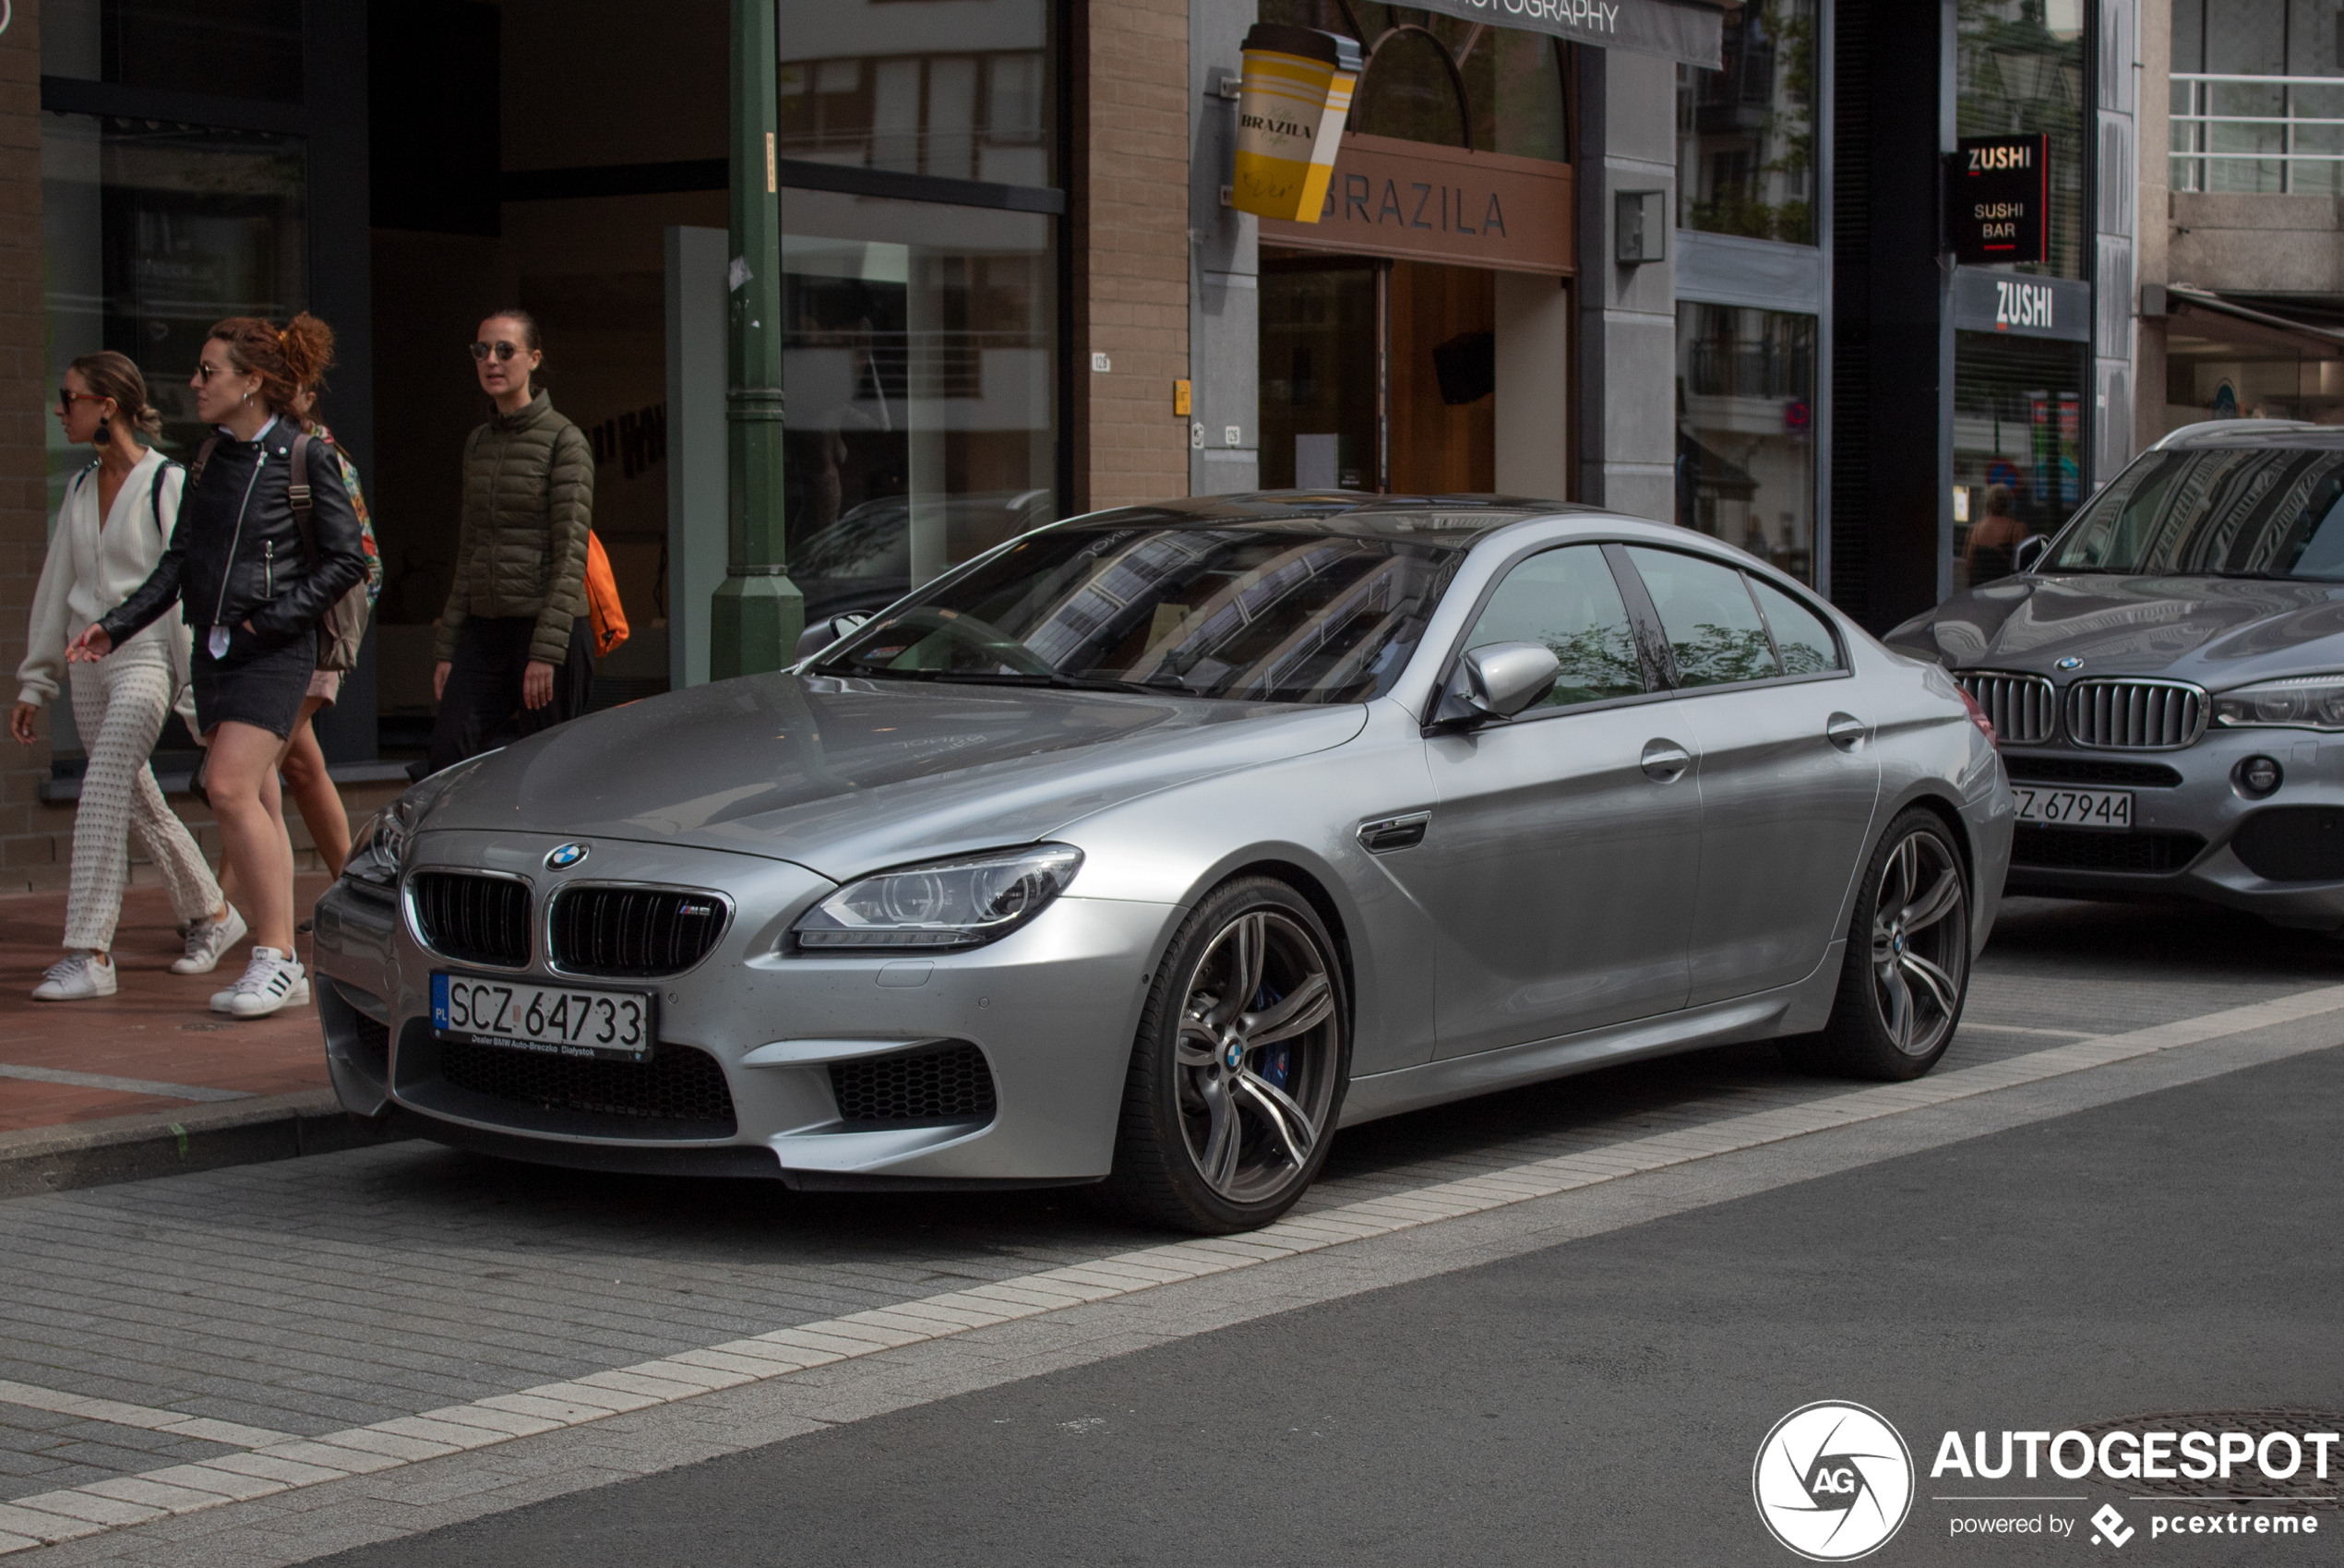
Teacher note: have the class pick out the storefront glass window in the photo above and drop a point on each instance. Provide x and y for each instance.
(1746, 133)
(1445, 80)
(2302, 38)
(960, 91)
(2217, 368)
(150, 235)
(1745, 430)
(2022, 72)
(2018, 425)
(225, 48)
(922, 407)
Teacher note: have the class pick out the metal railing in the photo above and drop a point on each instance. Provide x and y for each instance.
(2288, 131)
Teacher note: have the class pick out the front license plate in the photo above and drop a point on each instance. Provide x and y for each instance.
(2074, 807)
(552, 1020)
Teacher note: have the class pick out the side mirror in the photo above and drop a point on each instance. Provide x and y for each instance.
(821, 634)
(1497, 681)
(2029, 550)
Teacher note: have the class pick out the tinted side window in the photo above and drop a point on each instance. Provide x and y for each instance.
(1713, 626)
(1805, 643)
(1566, 600)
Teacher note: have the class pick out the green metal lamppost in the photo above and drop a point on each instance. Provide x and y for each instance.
(759, 612)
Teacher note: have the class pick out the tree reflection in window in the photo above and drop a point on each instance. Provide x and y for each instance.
(1746, 132)
(1567, 600)
(1714, 631)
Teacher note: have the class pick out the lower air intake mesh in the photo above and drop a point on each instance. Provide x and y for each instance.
(2073, 849)
(679, 1084)
(949, 1085)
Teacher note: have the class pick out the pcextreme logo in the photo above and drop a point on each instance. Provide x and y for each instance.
(1833, 1481)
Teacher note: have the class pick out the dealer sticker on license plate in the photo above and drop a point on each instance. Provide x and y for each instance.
(554, 1021)
(2074, 807)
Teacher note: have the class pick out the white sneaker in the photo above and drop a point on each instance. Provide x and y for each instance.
(222, 1001)
(77, 976)
(268, 983)
(207, 940)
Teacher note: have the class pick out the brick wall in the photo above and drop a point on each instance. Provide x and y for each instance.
(1128, 230)
(33, 837)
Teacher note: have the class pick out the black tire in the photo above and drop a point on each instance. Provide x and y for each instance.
(1228, 1109)
(1907, 973)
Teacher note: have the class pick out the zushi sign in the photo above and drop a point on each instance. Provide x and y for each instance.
(2001, 196)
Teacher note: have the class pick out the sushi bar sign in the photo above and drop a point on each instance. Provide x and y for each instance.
(1998, 195)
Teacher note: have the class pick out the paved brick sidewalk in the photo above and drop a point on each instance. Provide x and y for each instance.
(155, 1034)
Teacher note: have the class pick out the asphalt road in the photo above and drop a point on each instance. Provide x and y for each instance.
(1583, 1377)
(1599, 1400)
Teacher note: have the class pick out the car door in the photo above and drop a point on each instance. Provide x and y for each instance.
(1788, 775)
(1564, 844)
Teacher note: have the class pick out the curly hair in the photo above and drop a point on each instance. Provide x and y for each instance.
(289, 360)
(111, 374)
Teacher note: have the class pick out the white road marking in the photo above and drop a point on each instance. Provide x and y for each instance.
(281, 1465)
(119, 1085)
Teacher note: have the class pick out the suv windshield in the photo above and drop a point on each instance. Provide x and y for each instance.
(2230, 513)
(1279, 612)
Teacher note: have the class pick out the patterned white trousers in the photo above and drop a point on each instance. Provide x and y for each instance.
(120, 704)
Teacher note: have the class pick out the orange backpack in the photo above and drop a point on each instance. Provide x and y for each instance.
(601, 598)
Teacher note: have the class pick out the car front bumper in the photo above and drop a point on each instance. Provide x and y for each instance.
(1051, 1007)
(2201, 837)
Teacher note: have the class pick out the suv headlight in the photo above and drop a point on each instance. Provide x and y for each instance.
(2314, 703)
(948, 904)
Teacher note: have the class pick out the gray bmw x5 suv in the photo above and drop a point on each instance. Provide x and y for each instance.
(2167, 675)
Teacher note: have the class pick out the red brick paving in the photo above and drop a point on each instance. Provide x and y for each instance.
(157, 1027)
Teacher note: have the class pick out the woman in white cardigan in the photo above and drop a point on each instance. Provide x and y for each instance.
(116, 520)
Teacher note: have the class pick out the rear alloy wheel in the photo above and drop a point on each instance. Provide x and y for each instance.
(1907, 972)
(1239, 1067)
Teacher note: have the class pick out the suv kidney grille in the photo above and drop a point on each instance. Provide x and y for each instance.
(472, 919)
(2020, 706)
(632, 931)
(2136, 715)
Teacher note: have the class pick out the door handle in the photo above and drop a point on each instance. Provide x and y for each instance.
(1665, 761)
(1845, 731)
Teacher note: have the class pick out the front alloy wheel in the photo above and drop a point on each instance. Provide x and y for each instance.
(1239, 1067)
(1907, 972)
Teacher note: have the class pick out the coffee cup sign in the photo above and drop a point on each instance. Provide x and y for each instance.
(1291, 105)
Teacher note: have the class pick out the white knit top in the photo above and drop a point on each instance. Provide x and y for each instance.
(93, 565)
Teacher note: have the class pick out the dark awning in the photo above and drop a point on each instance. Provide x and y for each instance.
(1688, 32)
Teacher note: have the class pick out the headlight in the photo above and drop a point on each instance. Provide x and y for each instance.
(2315, 702)
(380, 843)
(949, 904)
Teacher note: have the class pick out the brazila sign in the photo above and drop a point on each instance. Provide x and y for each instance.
(1688, 32)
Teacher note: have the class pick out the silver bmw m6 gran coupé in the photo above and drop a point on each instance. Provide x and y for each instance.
(1153, 847)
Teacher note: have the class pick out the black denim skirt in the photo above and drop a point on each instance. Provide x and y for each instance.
(262, 687)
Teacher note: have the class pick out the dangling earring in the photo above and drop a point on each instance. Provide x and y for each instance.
(104, 436)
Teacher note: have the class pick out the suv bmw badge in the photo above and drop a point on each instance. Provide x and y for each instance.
(564, 857)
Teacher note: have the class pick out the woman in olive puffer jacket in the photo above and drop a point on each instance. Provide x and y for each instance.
(515, 637)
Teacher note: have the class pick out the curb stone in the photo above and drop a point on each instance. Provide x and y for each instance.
(166, 1142)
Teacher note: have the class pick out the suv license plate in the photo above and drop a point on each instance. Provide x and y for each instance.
(551, 1020)
(2074, 807)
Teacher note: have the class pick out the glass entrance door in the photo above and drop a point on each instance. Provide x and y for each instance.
(1377, 374)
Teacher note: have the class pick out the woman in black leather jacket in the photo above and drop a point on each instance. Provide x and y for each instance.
(252, 591)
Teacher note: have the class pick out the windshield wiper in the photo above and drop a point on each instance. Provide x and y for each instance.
(1058, 682)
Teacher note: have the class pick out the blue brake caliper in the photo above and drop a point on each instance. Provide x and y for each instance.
(1276, 1061)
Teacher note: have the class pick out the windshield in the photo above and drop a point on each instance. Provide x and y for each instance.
(2231, 513)
(1282, 612)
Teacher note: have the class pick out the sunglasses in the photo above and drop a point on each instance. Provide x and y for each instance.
(67, 397)
(205, 372)
(502, 348)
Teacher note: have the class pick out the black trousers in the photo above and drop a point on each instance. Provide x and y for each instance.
(483, 688)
